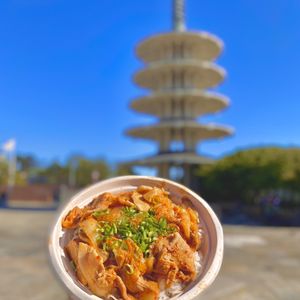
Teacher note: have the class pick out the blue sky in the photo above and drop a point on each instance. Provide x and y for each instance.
(66, 69)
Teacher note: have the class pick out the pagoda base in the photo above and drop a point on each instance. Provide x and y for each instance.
(179, 166)
(182, 173)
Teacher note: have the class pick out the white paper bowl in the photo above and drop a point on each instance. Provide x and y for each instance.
(211, 249)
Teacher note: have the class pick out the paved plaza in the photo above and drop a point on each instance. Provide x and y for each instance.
(259, 263)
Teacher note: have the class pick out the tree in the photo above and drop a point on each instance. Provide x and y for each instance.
(245, 175)
(89, 171)
(123, 170)
(26, 163)
(56, 174)
(3, 172)
(20, 177)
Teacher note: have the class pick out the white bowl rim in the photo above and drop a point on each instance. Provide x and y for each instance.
(199, 287)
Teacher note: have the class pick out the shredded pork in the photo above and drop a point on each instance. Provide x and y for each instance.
(134, 245)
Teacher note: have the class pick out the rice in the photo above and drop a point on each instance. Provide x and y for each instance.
(175, 290)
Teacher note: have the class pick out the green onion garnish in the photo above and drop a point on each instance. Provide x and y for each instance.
(142, 227)
(129, 269)
(99, 213)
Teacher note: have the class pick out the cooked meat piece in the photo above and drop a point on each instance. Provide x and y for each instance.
(149, 262)
(131, 265)
(101, 281)
(143, 189)
(137, 199)
(72, 251)
(156, 195)
(130, 254)
(111, 215)
(195, 238)
(148, 290)
(123, 290)
(72, 219)
(107, 200)
(130, 278)
(89, 229)
(174, 258)
(183, 221)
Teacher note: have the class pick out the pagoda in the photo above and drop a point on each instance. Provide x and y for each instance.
(178, 70)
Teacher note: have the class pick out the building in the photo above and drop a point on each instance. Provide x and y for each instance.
(40, 196)
(178, 68)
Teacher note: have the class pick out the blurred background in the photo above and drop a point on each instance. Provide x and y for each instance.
(93, 90)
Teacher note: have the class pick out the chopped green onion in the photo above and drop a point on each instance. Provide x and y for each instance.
(147, 253)
(130, 211)
(99, 213)
(129, 269)
(143, 232)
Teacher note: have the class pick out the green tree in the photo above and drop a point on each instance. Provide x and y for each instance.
(245, 175)
(20, 177)
(56, 174)
(89, 171)
(26, 163)
(123, 170)
(3, 172)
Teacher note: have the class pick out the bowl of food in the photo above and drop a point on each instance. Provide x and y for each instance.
(136, 237)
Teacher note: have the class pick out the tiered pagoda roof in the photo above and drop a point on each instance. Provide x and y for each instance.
(178, 69)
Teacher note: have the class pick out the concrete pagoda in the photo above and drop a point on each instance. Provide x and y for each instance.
(178, 69)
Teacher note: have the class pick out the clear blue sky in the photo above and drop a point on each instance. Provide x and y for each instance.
(66, 69)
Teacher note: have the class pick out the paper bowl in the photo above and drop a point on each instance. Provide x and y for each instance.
(211, 249)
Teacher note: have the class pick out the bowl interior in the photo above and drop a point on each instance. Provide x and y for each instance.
(211, 250)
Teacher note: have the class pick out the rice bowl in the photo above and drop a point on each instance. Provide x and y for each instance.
(209, 257)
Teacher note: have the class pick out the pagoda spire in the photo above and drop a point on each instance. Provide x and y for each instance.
(178, 15)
